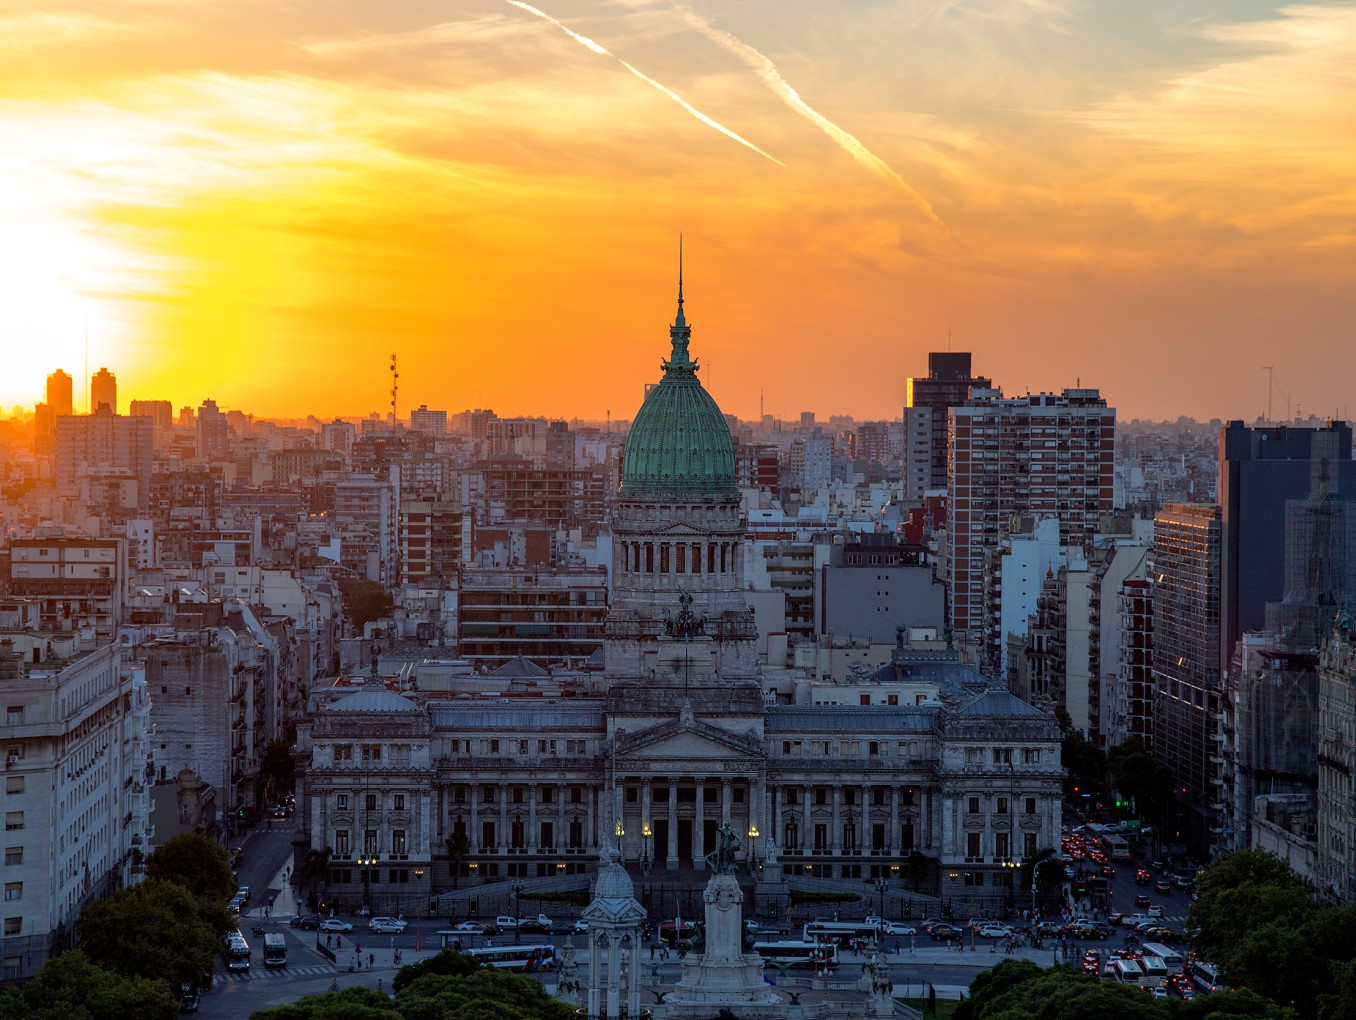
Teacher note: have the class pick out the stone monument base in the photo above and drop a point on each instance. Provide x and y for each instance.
(724, 975)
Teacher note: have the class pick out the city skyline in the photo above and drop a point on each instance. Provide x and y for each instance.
(262, 206)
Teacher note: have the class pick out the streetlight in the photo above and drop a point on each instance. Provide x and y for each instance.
(515, 890)
(882, 883)
(419, 878)
(367, 861)
(645, 835)
(753, 845)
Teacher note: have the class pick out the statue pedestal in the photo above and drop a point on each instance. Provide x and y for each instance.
(724, 975)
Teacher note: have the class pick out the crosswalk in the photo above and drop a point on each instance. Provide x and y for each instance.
(256, 974)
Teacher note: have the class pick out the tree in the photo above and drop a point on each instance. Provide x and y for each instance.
(364, 601)
(458, 846)
(155, 929)
(915, 868)
(1057, 993)
(1045, 867)
(485, 993)
(1244, 889)
(448, 962)
(990, 984)
(1242, 1003)
(1137, 774)
(69, 986)
(195, 862)
(314, 867)
(349, 1004)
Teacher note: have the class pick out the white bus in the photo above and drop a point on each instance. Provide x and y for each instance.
(799, 954)
(1206, 976)
(1116, 847)
(839, 932)
(275, 950)
(1127, 972)
(1172, 959)
(523, 959)
(1155, 971)
(237, 953)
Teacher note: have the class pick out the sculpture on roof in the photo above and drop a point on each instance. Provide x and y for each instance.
(721, 860)
(686, 624)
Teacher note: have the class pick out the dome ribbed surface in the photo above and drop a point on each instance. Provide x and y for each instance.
(613, 883)
(679, 444)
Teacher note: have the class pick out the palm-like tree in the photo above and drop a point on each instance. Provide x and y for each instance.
(315, 866)
(458, 846)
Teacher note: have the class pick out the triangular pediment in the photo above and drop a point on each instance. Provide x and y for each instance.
(680, 529)
(687, 738)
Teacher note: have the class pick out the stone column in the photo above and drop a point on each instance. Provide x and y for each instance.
(533, 833)
(595, 974)
(864, 826)
(892, 844)
(562, 835)
(503, 840)
(807, 831)
(726, 800)
(590, 829)
(699, 822)
(836, 826)
(672, 861)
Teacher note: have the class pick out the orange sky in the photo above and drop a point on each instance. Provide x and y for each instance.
(260, 202)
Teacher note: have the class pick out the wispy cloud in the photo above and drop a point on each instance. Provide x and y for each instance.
(603, 51)
(767, 71)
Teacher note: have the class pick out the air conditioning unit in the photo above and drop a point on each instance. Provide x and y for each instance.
(12, 760)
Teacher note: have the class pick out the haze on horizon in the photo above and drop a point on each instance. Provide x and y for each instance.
(260, 203)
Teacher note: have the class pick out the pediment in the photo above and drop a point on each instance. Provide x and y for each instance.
(680, 529)
(687, 738)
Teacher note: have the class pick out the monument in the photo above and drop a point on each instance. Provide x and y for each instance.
(723, 974)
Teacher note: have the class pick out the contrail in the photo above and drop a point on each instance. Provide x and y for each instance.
(766, 70)
(596, 48)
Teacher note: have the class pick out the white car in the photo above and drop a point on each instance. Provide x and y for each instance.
(334, 924)
(994, 931)
(386, 925)
(1155, 911)
(898, 928)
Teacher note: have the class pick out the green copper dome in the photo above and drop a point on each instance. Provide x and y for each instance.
(679, 443)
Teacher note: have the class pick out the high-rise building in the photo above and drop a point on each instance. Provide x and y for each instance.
(103, 389)
(1188, 707)
(1041, 455)
(424, 420)
(59, 394)
(948, 384)
(214, 438)
(1259, 470)
(104, 443)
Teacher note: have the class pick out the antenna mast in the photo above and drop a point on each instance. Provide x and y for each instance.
(395, 390)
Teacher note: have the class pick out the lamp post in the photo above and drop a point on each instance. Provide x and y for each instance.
(882, 883)
(366, 861)
(418, 921)
(753, 846)
(515, 890)
(645, 835)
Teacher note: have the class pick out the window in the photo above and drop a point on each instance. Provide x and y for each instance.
(1000, 845)
(370, 842)
(12, 969)
(974, 756)
(371, 802)
(14, 890)
(1002, 756)
(487, 834)
(399, 802)
(518, 795)
(546, 794)
(973, 807)
(14, 855)
(576, 747)
(906, 795)
(972, 845)
(906, 836)
(877, 796)
(398, 841)
(821, 796)
(632, 794)
(522, 747)
(1028, 844)
(13, 925)
(341, 802)
(343, 752)
(14, 715)
(341, 842)
(1031, 756)
(459, 795)
(1031, 805)
(546, 747)
(14, 820)
(849, 796)
(576, 795)
(792, 795)
(873, 748)
(371, 752)
(791, 747)
(864, 699)
(487, 794)
(892, 699)
(399, 875)
(1002, 805)
(14, 784)
(489, 746)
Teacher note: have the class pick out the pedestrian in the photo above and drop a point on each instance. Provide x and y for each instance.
(266, 913)
(329, 941)
(371, 959)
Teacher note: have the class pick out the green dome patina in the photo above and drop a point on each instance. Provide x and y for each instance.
(679, 444)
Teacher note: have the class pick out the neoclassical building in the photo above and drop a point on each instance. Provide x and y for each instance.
(468, 790)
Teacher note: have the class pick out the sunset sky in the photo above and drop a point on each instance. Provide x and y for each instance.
(260, 202)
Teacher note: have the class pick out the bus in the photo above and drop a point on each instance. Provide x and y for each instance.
(1155, 971)
(522, 959)
(1127, 972)
(669, 933)
(798, 954)
(1116, 847)
(275, 950)
(1172, 959)
(237, 952)
(838, 932)
(1207, 976)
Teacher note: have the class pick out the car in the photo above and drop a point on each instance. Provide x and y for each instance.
(898, 928)
(188, 1002)
(335, 924)
(1107, 871)
(386, 925)
(1142, 877)
(580, 927)
(1160, 934)
(236, 905)
(306, 922)
(1047, 929)
(1141, 901)
(1156, 910)
(243, 894)
(994, 931)
(945, 932)
(469, 927)
(1114, 918)
(1160, 992)
(1163, 886)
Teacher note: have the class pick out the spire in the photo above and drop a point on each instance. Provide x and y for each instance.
(680, 332)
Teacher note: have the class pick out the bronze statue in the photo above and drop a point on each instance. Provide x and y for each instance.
(721, 861)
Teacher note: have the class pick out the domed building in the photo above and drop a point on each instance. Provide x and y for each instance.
(937, 794)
